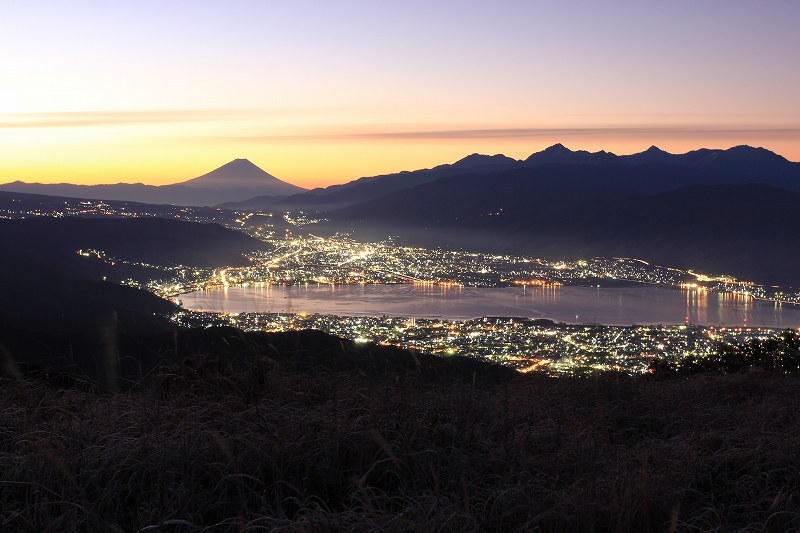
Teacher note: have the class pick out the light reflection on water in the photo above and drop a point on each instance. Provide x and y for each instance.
(617, 306)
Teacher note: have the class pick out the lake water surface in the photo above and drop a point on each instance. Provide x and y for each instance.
(611, 306)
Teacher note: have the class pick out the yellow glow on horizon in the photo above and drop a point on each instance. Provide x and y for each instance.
(155, 149)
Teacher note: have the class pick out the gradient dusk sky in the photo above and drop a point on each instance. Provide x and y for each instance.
(321, 92)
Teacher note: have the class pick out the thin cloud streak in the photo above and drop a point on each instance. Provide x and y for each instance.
(69, 119)
(510, 133)
(72, 119)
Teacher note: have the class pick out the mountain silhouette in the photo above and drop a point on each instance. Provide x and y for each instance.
(240, 174)
(560, 154)
(654, 154)
(480, 161)
(647, 172)
(235, 181)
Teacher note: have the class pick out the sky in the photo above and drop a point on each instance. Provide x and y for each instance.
(325, 91)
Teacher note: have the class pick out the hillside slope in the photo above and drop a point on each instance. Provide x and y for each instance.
(152, 240)
(745, 230)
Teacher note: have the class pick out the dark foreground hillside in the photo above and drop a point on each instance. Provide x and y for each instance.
(214, 445)
(151, 240)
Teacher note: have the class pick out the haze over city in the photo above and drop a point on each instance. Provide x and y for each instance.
(320, 92)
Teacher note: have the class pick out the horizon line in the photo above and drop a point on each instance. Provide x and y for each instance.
(376, 175)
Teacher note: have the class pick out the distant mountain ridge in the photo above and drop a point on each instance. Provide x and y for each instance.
(240, 184)
(235, 181)
(740, 164)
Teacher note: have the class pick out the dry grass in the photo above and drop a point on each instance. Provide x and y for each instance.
(274, 449)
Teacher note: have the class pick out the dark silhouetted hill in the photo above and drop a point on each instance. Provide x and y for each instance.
(58, 312)
(745, 230)
(151, 240)
(57, 308)
(320, 353)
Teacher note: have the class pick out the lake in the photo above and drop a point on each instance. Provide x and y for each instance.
(611, 306)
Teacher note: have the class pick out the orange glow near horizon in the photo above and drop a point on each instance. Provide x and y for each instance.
(306, 161)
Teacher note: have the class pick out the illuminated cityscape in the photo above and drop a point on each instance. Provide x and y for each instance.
(525, 344)
(299, 254)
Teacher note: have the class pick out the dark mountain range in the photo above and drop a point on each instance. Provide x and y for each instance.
(740, 160)
(476, 196)
(238, 180)
(242, 185)
(650, 171)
